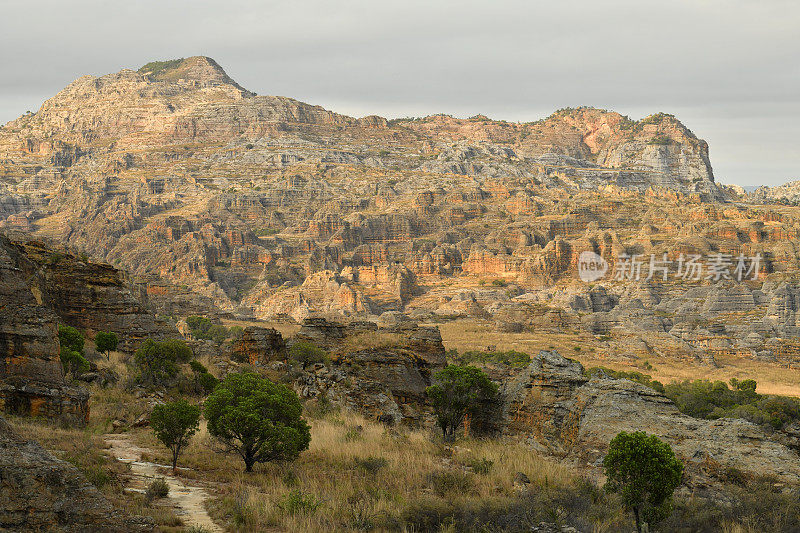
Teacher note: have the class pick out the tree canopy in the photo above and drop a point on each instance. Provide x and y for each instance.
(459, 391)
(174, 424)
(157, 361)
(257, 419)
(106, 342)
(644, 470)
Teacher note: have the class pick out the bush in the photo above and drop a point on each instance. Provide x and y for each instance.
(510, 358)
(69, 337)
(480, 466)
(644, 470)
(174, 424)
(207, 382)
(306, 353)
(298, 502)
(202, 328)
(157, 489)
(157, 362)
(257, 419)
(204, 380)
(638, 377)
(711, 400)
(444, 482)
(73, 362)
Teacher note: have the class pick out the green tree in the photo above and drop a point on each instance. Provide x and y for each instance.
(71, 338)
(459, 391)
(106, 342)
(174, 424)
(306, 353)
(158, 361)
(71, 351)
(644, 470)
(204, 380)
(202, 328)
(257, 419)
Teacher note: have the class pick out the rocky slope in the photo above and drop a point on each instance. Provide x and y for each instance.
(186, 179)
(555, 404)
(41, 493)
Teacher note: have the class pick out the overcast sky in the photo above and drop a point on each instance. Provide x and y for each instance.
(729, 69)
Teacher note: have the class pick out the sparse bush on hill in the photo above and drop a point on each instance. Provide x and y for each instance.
(638, 377)
(510, 358)
(156, 67)
(711, 400)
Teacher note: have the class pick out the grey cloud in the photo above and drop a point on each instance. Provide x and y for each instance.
(727, 68)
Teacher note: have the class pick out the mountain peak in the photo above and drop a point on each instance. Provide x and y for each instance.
(197, 68)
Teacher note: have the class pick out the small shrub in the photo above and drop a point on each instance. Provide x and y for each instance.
(306, 353)
(157, 489)
(354, 433)
(638, 377)
(444, 482)
(298, 502)
(480, 466)
(371, 465)
(207, 381)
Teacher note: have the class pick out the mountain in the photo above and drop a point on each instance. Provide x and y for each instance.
(215, 197)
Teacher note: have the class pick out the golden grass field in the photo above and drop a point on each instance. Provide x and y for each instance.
(474, 334)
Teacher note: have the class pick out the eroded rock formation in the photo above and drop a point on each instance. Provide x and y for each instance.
(554, 403)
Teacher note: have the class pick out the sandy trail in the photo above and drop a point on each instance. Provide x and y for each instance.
(186, 499)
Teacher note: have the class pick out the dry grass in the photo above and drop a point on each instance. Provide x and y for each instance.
(85, 450)
(371, 340)
(356, 474)
(471, 334)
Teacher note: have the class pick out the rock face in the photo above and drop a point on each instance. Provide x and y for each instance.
(41, 288)
(41, 493)
(385, 382)
(91, 297)
(31, 377)
(259, 346)
(553, 402)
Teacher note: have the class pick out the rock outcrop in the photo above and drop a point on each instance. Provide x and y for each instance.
(382, 372)
(554, 403)
(41, 493)
(31, 376)
(258, 345)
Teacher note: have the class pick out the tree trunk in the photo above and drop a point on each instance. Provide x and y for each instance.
(636, 515)
(174, 463)
(249, 461)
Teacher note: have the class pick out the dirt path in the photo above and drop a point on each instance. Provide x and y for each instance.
(187, 499)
